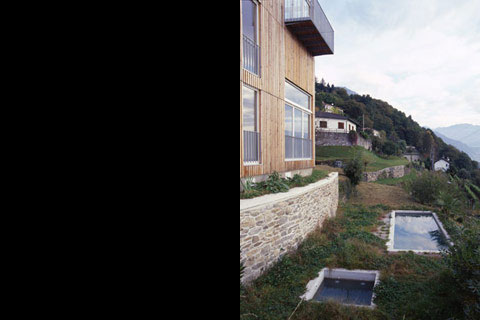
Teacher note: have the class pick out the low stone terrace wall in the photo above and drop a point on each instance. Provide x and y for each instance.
(390, 172)
(274, 224)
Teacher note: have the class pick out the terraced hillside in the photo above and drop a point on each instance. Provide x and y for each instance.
(375, 163)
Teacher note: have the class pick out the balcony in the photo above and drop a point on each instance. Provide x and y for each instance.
(306, 19)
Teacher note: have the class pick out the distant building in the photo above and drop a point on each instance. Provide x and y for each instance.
(332, 122)
(412, 154)
(441, 165)
(332, 109)
(376, 133)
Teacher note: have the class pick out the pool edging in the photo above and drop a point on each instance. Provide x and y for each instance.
(392, 230)
(314, 284)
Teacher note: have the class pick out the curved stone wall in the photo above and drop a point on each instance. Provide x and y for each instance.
(274, 224)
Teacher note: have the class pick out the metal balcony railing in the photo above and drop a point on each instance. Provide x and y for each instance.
(251, 146)
(251, 55)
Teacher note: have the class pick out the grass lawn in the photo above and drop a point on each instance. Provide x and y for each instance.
(397, 181)
(375, 163)
(411, 286)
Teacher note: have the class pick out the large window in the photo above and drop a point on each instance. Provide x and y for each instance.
(251, 48)
(249, 19)
(251, 135)
(298, 143)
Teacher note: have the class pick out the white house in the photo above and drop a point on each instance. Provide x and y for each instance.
(411, 154)
(441, 165)
(332, 122)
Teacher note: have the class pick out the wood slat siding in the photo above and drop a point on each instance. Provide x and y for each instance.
(282, 57)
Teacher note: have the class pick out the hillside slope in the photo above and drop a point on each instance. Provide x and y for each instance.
(375, 163)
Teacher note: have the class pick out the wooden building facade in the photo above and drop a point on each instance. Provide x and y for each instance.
(278, 42)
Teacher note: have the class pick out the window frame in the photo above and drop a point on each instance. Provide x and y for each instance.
(308, 112)
(302, 123)
(257, 125)
(295, 104)
(257, 23)
(257, 38)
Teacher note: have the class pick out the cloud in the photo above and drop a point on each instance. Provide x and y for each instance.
(422, 57)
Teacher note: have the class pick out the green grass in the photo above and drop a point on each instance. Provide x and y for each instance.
(398, 181)
(412, 286)
(375, 163)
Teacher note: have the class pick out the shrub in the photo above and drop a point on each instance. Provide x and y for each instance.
(353, 137)
(390, 148)
(346, 189)
(364, 134)
(463, 261)
(354, 170)
(464, 174)
(425, 188)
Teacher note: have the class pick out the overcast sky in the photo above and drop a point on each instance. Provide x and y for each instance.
(420, 56)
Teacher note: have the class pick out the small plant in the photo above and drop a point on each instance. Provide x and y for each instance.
(249, 185)
(296, 180)
(345, 188)
(275, 184)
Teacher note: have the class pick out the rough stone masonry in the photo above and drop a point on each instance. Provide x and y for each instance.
(274, 224)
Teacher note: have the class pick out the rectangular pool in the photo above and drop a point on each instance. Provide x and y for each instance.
(350, 287)
(417, 231)
(345, 291)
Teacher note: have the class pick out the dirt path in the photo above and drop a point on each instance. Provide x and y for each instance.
(370, 194)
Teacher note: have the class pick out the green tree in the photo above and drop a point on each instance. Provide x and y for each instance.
(354, 170)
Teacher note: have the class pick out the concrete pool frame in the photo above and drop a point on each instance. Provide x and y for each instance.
(342, 274)
(391, 234)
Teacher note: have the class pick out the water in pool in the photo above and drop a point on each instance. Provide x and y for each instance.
(345, 291)
(417, 232)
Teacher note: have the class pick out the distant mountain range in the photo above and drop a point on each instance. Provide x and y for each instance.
(464, 137)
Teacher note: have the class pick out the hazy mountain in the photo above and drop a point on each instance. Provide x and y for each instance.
(474, 153)
(464, 137)
(468, 134)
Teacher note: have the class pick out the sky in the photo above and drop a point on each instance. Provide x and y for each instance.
(420, 56)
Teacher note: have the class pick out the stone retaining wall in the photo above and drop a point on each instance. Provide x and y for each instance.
(390, 172)
(274, 224)
(323, 138)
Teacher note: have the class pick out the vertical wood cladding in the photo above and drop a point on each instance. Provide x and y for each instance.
(282, 57)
